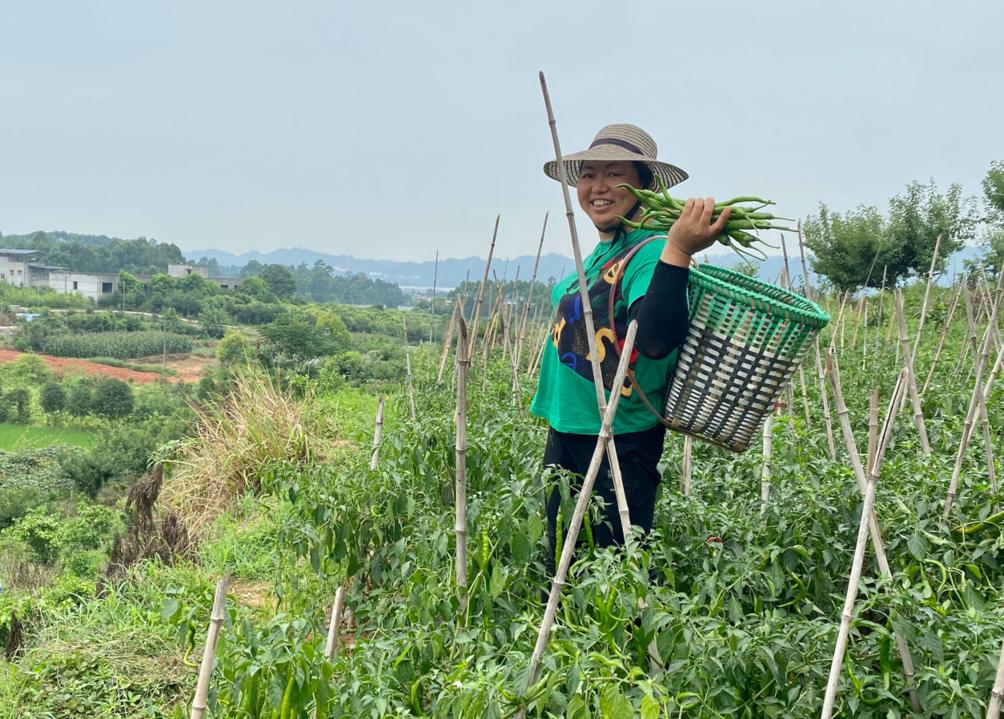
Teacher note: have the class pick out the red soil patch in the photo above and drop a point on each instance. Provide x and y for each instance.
(62, 365)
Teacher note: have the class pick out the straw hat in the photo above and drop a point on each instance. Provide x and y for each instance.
(619, 143)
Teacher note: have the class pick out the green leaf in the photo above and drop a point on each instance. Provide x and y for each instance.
(614, 705)
(917, 546)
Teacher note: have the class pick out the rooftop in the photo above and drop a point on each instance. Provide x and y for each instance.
(18, 252)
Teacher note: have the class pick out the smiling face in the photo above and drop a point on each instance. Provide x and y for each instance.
(599, 195)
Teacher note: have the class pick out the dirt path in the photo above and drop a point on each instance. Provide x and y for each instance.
(61, 365)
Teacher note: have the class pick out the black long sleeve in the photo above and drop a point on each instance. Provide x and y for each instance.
(662, 314)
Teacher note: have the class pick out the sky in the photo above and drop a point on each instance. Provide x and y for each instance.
(393, 130)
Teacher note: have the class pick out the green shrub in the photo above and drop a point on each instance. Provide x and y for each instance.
(18, 405)
(80, 401)
(112, 398)
(234, 349)
(52, 397)
(30, 368)
(40, 531)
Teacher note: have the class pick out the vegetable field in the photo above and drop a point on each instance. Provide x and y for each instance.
(730, 608)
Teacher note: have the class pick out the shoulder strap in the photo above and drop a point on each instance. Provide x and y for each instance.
(613, 325)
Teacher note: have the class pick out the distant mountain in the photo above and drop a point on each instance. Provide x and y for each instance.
(407, 274)
(453, 271)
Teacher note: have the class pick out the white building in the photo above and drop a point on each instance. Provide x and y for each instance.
(179, 271)
(89, 284)
(15, 267)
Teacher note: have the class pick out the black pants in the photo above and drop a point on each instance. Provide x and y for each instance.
(638, 454)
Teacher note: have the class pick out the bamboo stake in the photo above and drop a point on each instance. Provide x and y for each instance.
(529, 294)
(460, 489)
(918, 412)
(336, 613)
(481, 288)
(873, 411)
(826, 404)
(805, 268)
(881, 319)
(956, 292)
(997, 694)
(407, 366)
(927, 294)
(765, 468)
(447, 340)
(859, 550)
(857, 325)
(209, 651)
(377, 432)
(688, 465)
(975, 403)
(873, 526)
(587, 316)
(580, 509)
(432, 302)
(970, 326)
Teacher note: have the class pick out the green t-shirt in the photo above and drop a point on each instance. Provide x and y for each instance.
(566, 395)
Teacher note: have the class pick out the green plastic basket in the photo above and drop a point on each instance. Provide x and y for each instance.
(745, 341)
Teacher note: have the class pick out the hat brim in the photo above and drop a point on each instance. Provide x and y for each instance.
(670, 174)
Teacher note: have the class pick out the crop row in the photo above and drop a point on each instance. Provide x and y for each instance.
(120, 345)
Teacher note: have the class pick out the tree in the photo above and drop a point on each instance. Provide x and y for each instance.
(296, 338)
(921, 214)
(52, 397)
(993, 235)
(255, 288)
(112, 398)
(280, 280)
(848, 247)
(855, 248)
(18, 402)
(214, 321)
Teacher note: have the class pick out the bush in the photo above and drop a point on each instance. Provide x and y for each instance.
(52, 397)
(80, 401)
(235, 349)
(30, 368)
(112, 398)
(17, 404)
(31, 478)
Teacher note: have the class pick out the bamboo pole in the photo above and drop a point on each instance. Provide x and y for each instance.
(432, 302)
(331, 643)
(447, 340)
(765, 467)
(997, 693)
(529, 294)
(826, 404)
(873, 526)
(377, 432)
(688, 465)
(970, 326)
(460, 488)
(979, 392)
(857, 325)
(873, 411)
(805, 267)
(918, 412)
(956, 293)
(209, 651)
(927, 294)
(407, 366)
(881, 319)
(859, 550)
(473, 339)
(587, 315)
(580, 509)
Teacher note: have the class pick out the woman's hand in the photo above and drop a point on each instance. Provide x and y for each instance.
(694, 231)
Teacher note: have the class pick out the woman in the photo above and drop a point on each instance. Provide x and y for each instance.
(653, 290)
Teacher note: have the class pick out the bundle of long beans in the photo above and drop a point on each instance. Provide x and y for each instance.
(660, 210)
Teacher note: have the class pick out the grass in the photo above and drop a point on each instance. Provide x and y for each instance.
(19, 436)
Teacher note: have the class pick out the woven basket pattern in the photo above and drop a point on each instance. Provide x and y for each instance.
(745, 341)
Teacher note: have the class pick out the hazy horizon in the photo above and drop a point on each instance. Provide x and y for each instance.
(392, 132)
